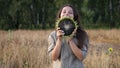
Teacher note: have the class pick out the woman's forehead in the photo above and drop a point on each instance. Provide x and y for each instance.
(67, 7)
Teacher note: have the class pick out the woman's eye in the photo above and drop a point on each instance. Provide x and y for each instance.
(70, 12)
(64, 11)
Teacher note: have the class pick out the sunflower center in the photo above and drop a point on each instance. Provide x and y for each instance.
(67, 26)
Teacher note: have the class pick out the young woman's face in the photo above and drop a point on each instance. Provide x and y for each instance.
(67, 11)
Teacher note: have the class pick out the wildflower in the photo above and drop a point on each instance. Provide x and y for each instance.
(110, 49)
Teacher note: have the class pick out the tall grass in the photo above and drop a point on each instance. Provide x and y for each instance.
(28, 49)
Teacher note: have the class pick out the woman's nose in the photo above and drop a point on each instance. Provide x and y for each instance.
(66, 14)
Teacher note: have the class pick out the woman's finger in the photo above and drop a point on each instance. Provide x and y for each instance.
(58, 28)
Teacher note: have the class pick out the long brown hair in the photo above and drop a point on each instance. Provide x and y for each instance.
(81, 35)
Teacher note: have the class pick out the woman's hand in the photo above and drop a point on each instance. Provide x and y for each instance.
(60, 33)
(72, 35)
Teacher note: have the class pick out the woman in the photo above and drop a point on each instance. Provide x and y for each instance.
(68, 52)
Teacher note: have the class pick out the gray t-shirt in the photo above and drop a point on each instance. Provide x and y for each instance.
(67, 59)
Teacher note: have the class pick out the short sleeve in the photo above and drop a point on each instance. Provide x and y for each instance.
(85, 48)
(51, 42)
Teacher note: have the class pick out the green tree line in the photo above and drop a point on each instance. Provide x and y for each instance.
(41, 14)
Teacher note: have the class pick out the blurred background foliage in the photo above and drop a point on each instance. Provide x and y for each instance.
(41, 14)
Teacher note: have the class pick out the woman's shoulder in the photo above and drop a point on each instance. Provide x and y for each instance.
(53, 33)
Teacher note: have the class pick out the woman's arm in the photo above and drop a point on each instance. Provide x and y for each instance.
(57, 48)
(77, 52)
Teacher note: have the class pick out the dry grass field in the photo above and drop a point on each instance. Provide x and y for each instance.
(28, 49)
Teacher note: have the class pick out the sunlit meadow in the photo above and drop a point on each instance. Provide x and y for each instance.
(28, 49)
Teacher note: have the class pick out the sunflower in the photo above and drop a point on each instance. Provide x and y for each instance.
(66, 24)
